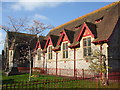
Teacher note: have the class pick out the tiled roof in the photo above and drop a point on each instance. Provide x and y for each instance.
(87, 15)
(101, 30)
(21, 38)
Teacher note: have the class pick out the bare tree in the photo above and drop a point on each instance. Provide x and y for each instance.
(38, 27)
(15, 25)
(22, 25)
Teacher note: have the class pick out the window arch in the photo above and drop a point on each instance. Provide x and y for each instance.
(87, 46)
(65, 50)
(50, 52)
(39, 54)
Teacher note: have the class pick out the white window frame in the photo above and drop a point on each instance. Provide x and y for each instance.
(39, 54)
(66, 51)
(50, 54)
(87, 47)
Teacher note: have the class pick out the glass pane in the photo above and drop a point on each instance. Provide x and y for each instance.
(39, 54)
(66, 45)
(39, 57)
(89, 51)
(63, 54)
(51, 56)
(84, 42)
(67, 54)
(85, 52)
(48, 55)
(51, 49)
(63, 46)
(89, 41)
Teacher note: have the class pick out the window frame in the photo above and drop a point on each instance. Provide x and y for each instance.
(39, 54)
(50, 52)
(65, 50)
(86, 46)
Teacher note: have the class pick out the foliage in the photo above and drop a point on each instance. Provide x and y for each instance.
(97, 62)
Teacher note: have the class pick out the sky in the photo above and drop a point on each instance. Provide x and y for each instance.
(49, 12)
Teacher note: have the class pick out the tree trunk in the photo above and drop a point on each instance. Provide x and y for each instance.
(30, 72)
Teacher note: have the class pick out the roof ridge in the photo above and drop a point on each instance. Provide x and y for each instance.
(23, 33)
(105, 7)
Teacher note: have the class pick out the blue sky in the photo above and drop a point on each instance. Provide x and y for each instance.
(55, 13)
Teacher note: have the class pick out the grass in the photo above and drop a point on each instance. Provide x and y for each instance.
(61, 84)
(25, 77)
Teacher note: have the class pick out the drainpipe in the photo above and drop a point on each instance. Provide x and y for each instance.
(107, 59)
(101, 59)
(74, 62)
(56, 62)
(43, 61)
(30, 71)
(46, 66)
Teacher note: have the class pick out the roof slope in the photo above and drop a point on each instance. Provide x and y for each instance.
(21, 38)
(101, 30)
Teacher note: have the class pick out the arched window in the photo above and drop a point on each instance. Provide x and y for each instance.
(87, 46)
(65, 50)
(50, 52)
(11, 53)
(39, 54)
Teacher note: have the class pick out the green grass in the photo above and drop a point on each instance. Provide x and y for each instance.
(61, 84)
(25, 77)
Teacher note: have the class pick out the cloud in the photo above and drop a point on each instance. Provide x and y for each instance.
(59, 0)
(33, 4)
(38, 16)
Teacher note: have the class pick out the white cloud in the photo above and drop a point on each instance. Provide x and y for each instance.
(39, 16)
(59, 0)
(33, 4)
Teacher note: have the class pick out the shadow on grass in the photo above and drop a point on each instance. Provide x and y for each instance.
(8, 81)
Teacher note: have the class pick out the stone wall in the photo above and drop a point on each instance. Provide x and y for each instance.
(65, 67)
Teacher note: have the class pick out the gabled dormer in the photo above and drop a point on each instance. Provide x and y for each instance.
(51, 40)
(50, 44)
(66, 36)
(87, 30)
(39, 48)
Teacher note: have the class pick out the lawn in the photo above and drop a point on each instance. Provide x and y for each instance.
(25, 77)
(61, 82)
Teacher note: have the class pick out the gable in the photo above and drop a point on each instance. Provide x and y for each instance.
(63, 38)
(85, 31)
(108, 16)
(48, 42)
